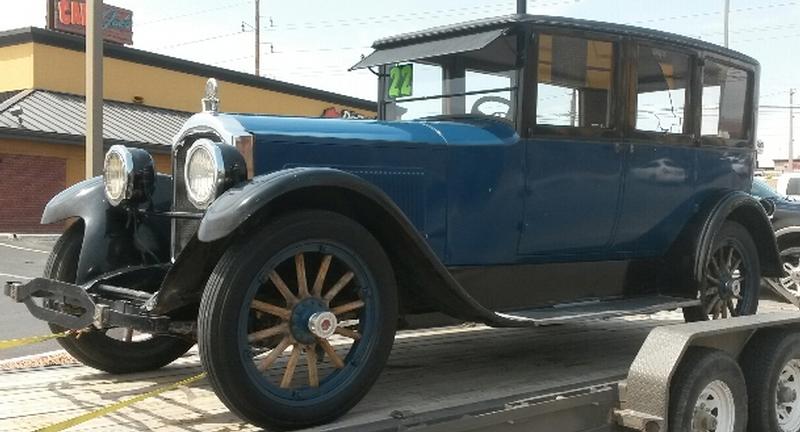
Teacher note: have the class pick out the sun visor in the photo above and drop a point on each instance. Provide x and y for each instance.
(435, 48)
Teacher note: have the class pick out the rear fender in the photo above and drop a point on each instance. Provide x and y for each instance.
(239, 211)
(688, 255)
(112, 239)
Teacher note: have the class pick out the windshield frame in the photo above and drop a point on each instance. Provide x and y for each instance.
(453, 69)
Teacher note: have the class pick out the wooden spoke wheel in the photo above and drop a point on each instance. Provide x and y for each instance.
(297, 320)
(731, 278)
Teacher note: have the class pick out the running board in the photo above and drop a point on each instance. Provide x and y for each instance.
(597, 309)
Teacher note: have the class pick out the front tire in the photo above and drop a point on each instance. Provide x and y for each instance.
(708, 393)
(731, 277)
(95, 348)
(292, 285)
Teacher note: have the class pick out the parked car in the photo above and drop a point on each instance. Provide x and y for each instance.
(509, 180)
(785, 214)
(789, 184)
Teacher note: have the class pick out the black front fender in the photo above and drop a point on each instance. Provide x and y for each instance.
(112, 239)
(246, 206)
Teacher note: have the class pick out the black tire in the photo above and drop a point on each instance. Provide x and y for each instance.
(701, 368)
(763, 362)
(730, 236)
(94, 348)
(225, 319)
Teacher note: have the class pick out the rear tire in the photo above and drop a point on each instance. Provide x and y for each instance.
(95, 348)
(259, 302)
(771, 366)
(732, 277)
(708, 393)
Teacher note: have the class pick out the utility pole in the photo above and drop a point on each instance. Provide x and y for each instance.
(258, 37)
(727, 21)
(791, 130)
(94, 88)
(522, 6)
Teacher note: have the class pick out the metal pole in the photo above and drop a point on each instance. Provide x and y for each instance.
(791, 130)
(727, 20)
(522, 6)
(94, 88)
(258, 37)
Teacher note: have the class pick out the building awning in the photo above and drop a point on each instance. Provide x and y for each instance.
(434, 48)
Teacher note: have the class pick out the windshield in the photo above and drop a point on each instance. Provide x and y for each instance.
(762, 190)
(481, 82)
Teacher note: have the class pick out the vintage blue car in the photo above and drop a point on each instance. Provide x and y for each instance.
(522, 171)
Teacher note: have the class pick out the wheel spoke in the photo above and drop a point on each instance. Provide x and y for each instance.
(788, 267)
(282, 288)
(713, 263)
(290, 367)
(346, 332)
(732, 308)
(736, 264)
(275, 353)
(335, 359)
(128, 337)
(712, 279)
(347, 307)
(338, 286)
(729, 261)
(724, 311)
(263, 334)
(313, 372)
(271, 309)
(711, 304)
(302, 283)
(316, 291)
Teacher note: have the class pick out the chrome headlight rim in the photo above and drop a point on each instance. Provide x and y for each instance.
(125, 155)
(218, 172)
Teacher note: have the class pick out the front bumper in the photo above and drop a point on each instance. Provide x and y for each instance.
(77, 307)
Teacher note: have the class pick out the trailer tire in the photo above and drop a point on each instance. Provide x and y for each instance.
(95, 348)
(708, 387)
(771, 365)
(259, 302)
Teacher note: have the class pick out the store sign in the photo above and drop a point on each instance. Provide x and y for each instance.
(333, 112)
(71, 15)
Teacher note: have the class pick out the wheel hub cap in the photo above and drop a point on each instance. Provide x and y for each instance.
(787, 406)
(322, 324)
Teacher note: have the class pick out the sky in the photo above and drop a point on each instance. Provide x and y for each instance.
(314, 42)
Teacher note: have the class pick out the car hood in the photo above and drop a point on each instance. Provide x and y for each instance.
(467, 131)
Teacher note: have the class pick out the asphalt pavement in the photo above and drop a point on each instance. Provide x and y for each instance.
(22, 259)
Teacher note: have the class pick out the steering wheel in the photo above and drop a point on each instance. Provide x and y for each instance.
(492, 99)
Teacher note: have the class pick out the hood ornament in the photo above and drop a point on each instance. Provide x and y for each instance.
(211, 99)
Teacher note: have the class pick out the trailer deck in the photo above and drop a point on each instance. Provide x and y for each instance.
(432, 375)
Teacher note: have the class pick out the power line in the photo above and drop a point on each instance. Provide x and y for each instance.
(714, 13)
(195, 13)
(195, 41)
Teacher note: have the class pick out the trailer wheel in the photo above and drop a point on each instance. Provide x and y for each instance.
(731, 277)
(113, 351)
(771, 366)
(298, 320)
(708, 393)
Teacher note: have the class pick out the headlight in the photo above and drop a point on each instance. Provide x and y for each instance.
(210, 169)
(128, 175)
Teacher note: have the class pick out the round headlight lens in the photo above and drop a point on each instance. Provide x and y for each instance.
(202, 172)
(116, 174)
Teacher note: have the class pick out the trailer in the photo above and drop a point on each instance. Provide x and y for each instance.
(604, 375)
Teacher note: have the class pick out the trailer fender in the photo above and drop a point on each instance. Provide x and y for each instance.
(110, 240)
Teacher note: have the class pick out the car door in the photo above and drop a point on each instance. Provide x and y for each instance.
(574, 156)
(661, 155)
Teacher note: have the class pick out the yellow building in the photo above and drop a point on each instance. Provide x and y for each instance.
(148, 97)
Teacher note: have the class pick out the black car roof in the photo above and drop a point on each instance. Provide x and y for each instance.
(516, 20)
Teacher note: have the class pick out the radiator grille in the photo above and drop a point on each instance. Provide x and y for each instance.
(182, 229)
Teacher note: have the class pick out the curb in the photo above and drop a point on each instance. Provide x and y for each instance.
(15, 236)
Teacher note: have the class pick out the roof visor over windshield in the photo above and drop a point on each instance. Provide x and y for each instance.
(435, 48)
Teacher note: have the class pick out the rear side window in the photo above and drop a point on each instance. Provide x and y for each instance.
(724, 102)
(575, 82)
(662, 84)
(793, 187)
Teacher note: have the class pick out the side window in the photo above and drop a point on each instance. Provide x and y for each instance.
(663, 81)
(574, 82)
(724, 102)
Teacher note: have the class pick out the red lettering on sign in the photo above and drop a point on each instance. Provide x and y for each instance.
(78, 15)
(63, 12)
